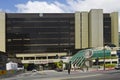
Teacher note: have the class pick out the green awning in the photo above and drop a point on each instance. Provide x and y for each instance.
(101, 53)
(79, 58)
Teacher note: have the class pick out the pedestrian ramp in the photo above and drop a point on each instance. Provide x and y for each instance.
(81, 57)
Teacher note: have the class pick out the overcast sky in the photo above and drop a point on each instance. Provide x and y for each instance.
(58, 6)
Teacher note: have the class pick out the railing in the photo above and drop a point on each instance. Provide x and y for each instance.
(78, 59)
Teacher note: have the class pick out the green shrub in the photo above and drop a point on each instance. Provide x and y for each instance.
(25, 66)
(59, 64)
(110, 65)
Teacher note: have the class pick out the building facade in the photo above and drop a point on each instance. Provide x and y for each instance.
(45, 36)
(3, 60)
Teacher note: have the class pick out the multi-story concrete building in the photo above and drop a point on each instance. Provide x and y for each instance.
(3, 60)
(42, 37)
(119, 38)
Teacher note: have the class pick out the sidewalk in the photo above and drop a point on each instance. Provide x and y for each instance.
(92, 70)
(101, 69)
(65, 76)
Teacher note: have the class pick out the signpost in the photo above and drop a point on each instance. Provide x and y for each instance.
(118, 53)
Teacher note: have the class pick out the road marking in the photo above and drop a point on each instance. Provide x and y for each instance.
(87, 76)
(71, 77)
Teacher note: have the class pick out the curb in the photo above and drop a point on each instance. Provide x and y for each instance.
(103, 70)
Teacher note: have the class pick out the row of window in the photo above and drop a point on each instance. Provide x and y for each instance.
(39, 34)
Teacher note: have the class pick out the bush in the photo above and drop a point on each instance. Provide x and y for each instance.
(25, 66)
(110, 65)
(59, 64)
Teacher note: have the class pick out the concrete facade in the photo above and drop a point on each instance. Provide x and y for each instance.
(2, 32)
(114, 28)
(81, 30)
(89, 29)
(96, 28)
(84, 28)
(39, 60)
(77, 31)
(88, 33)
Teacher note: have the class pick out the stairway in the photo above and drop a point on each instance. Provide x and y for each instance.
(78, 59)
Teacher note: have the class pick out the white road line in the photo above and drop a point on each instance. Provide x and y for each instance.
(70, 77)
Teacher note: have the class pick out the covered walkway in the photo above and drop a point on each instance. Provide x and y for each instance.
(83, 56)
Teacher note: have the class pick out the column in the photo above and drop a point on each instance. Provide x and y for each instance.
(114, 28)
(2, 32)
(77, 31)
(96, 28)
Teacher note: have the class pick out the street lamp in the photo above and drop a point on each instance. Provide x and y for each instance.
(104, 57)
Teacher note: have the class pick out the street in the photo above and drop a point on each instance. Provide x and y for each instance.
(75, 75)
(105, 76)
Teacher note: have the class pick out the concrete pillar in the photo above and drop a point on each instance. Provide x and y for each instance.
(84, 29)
(96, 28)
(114, 28)
(77, 31)
(2, 32)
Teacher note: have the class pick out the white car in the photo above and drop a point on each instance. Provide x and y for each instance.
(117, 67)
(34, 70)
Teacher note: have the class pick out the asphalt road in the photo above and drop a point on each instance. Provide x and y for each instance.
(75, 75)
(102, 76)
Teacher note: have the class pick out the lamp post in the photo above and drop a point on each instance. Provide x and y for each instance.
(104, 57)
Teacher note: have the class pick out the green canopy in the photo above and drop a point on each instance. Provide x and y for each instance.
(101, 53)
(80, 57)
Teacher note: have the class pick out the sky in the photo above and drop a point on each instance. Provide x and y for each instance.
(58, 6)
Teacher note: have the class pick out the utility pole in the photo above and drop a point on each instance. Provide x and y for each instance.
(104, 57)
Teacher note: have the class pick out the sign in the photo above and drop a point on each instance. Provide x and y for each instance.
(118, 52)
(38, 62)
(101, 53)
(41, 61)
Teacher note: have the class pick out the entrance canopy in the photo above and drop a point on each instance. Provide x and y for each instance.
(101, 53)
(82, 56)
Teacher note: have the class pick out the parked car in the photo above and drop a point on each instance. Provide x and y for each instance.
(117, 67)
(59, 69)
(34, 70)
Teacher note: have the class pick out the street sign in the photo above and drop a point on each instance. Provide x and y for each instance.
(118, 52)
